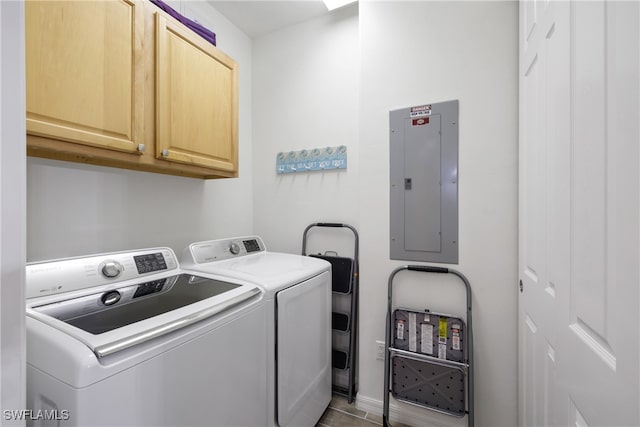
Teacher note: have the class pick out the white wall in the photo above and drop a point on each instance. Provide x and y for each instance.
(75, 209)
(399, 54)
(419, 52)
(306, 96)
(12, 216)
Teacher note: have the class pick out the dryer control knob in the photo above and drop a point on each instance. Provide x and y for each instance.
(111, 269)
(234, 248)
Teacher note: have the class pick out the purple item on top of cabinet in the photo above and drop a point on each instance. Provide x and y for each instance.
(203, 32)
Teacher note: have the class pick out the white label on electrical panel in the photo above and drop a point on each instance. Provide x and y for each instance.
(426, 338)
(400, 330)
(413, 345)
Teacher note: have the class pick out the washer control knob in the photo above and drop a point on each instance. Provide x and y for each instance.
(234, 248)
(111, 269)
(111, 297)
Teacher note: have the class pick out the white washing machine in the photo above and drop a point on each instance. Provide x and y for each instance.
(130, 339)
(298, 296)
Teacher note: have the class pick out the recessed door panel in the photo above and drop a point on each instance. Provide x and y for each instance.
(422, 184)
(303, 365)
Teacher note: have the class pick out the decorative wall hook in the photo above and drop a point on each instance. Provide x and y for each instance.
(316, 159)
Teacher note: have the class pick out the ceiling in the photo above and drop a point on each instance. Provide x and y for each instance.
(256, 18)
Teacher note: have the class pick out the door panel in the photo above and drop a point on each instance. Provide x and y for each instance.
(303, 360)
(528, 337)
(422, 201)
(590, 170)
(579, 232)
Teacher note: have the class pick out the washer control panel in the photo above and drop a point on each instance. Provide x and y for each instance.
(251, 245)
(149, 263)
(70, 274)
(218, 250)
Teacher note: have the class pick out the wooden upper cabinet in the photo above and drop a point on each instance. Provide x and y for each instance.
(120, 83)
(84, 72)
(196, 100)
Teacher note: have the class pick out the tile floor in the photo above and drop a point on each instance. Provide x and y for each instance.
(342, 414)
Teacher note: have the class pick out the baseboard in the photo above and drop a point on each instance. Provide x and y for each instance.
(408, 414)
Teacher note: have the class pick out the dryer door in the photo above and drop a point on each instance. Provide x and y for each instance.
(304, 351)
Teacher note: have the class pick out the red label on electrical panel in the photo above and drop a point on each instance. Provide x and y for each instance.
(419, 122)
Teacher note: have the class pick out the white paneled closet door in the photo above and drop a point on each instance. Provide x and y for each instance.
(579, 257)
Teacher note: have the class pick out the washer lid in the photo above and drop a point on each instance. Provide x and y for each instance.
(109, 320)
(105, 311)
(273, 271)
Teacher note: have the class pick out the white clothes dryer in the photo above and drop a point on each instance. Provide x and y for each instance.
(298, 296)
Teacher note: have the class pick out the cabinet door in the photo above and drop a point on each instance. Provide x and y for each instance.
(196, 99)
(84, 72)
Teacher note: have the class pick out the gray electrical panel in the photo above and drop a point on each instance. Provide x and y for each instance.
(424, 182)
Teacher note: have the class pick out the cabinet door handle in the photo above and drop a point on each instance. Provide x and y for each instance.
(165, 153)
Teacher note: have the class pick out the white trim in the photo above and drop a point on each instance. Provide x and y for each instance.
(13, 214)
(406, 414)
